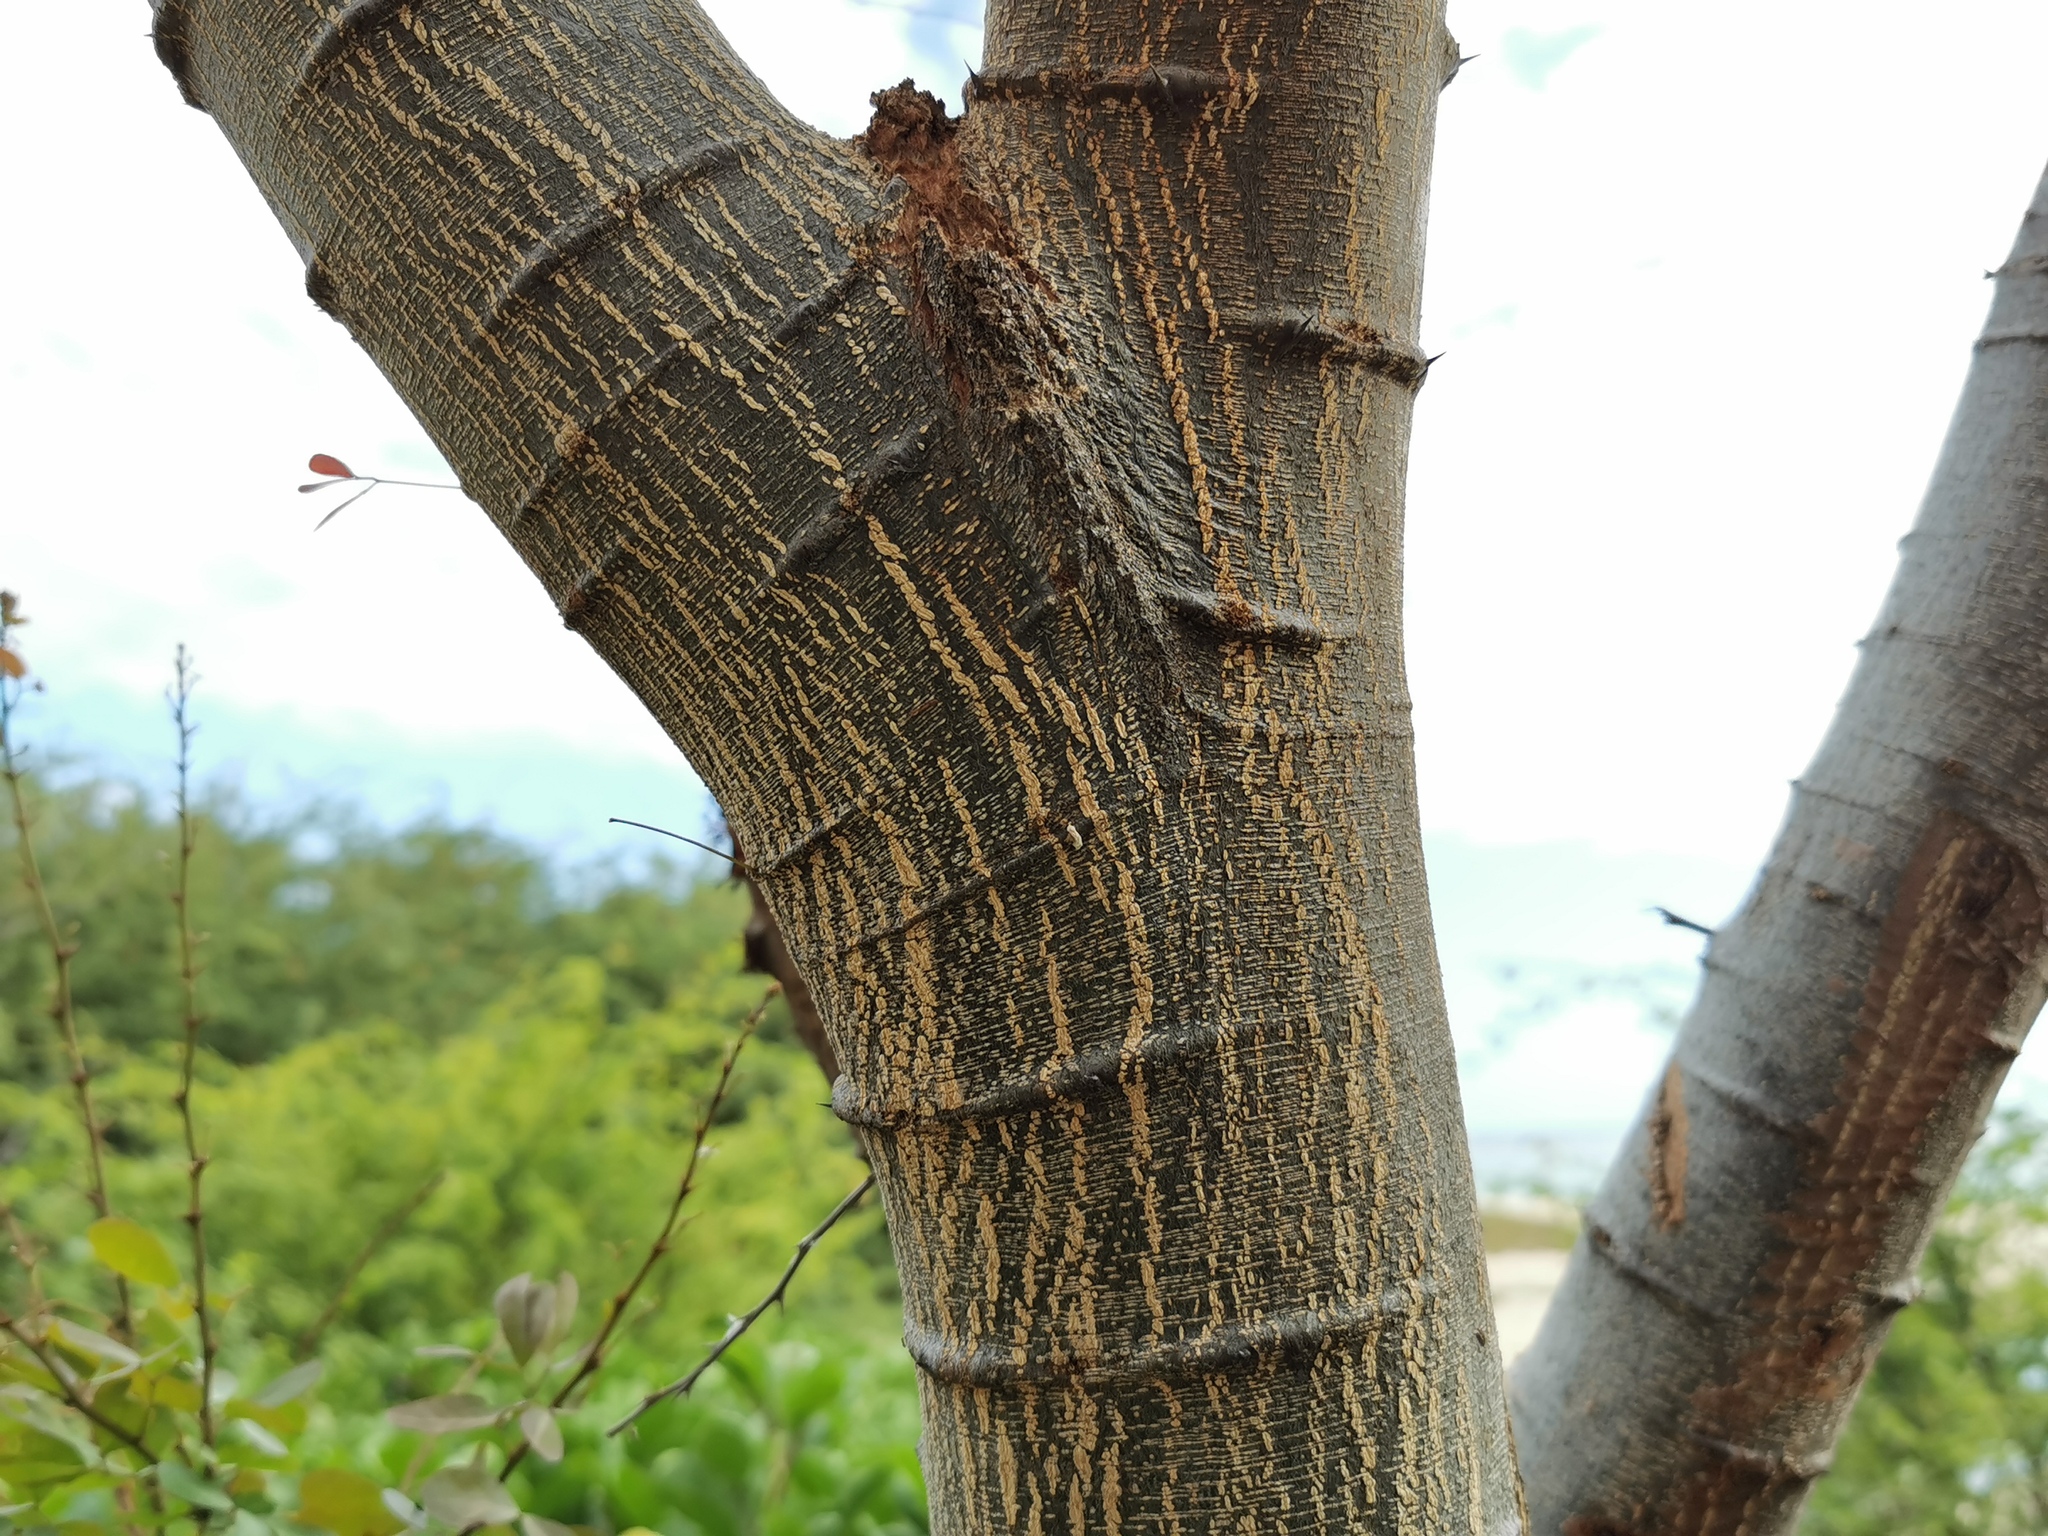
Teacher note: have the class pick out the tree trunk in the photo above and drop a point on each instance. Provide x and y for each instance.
(1004, 516)
(1761, 1227)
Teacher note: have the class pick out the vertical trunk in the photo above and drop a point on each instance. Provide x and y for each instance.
(1004, 515)
(1760, 1229)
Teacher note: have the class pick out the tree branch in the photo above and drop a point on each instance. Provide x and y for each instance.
(737, 1328)
(1848, 1038)
(593, 1354)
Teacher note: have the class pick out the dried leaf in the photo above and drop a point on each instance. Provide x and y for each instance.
(12, 664)
(328, 464)
(346, 1504)
(566, 1296)
(526, 1311)
(468, 1495)
(542, 1432)
(130, 1249)
(450, 1413)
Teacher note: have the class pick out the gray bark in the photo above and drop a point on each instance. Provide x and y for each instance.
(1761, 1227)
(1004, 515)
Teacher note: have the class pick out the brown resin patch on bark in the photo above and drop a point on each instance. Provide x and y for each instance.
(982, 309)
(1966, 923)
(1669, 1127)
(911, 137)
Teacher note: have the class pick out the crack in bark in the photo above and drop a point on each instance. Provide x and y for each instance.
(352, 24)
(571, 239)
(1087, 1075)
(1296, 334)
(1154, 85)
(833, 517)
(1291, 1340)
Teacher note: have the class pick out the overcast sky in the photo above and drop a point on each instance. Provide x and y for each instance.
(1704, 278)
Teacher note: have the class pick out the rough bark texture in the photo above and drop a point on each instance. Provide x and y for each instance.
(1758, 1233)
(1004, 516)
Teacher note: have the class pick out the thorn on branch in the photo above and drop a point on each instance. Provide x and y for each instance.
(1673, 920)
(679, 837)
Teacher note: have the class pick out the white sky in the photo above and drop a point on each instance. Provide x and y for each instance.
(1705, 277)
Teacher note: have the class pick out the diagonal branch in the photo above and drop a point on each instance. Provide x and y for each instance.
(615, 1310)
(737, 1328)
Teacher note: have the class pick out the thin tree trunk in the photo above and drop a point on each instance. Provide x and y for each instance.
(1004, 516)
(1762, 1224)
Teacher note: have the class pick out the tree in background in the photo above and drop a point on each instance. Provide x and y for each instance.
(1003, 514)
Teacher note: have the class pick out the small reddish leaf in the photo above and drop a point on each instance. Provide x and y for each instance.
(328, 464)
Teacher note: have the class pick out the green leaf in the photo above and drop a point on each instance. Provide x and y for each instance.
(131, 1250)
(285, 1422)
(265, 1442)
(344, 1503)
(84, 1341)
(180, 1481)
(468, 1495)
(170, 1391)
(536, 1525)
(447, 1414)
(538, 1424)
(296, 1382)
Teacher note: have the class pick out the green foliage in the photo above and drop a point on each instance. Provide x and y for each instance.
(560, 1136)
(318, 922)
(433, 1073)
(1950, 1436)
(785, 1441)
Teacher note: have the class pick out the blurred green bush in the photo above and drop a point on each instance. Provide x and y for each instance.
(535, 1065)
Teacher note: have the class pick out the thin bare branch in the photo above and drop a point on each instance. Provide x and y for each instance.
(69, 1388)
(738, 1327)
(188, 981)
(390, 1229)
(621, 821)
(593, 1357)
(62, 1011)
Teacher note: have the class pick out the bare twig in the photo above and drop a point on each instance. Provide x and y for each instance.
(23, 1246)
(338, 473)
(739, 1325)
(390, 1229)
(593, 1357)
(1673, 920)
(71, 1393)
(664, 831)
(61, 952)
(188, 980)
